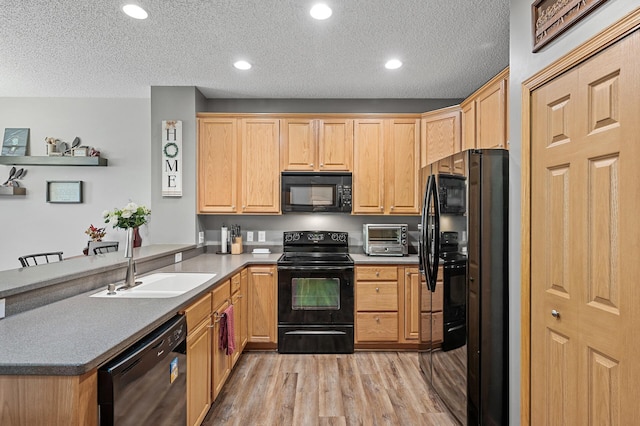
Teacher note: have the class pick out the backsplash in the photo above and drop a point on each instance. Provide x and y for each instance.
(274, 226)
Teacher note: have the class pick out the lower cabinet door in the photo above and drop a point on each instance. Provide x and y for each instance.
(198, 373)
(376, 327)
(220, 361)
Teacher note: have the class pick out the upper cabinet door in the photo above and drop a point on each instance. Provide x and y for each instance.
(316, 144)
(468, 125)
(260, 165)
(368, 166)
(491, 113)
(335, 144)
(401, 166)
(299, 147)
(440, 134)
(218, 162)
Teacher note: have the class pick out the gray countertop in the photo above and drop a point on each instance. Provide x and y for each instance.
(77, 334)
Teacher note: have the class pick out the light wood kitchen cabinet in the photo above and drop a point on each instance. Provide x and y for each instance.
(485, 115)
(198, 373)
(238, 298)
(260, 165)
(262, 311)
(386, 161)
(440, 134)
(377, 313)
(453, 165)
(218, 163)
(244, 291)
(198, 317)
(311, 144)
(220, 361)
(412, 288)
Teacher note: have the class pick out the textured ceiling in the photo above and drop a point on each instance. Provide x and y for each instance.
(89, 48)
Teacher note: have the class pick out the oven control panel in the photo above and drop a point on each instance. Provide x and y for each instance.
(316, 237)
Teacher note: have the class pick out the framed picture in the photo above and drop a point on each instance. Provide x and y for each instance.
(15, 142)
(550, 18)
(64, 191)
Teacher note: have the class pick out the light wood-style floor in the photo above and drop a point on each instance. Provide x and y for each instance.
(365, 388)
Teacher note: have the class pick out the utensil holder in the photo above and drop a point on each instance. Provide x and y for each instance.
(236, 245)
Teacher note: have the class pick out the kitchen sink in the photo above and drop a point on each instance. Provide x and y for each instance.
(160, 285)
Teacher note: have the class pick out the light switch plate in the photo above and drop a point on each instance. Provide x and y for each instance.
(262, 236)
(201, 237)
(178, 257)
(249, 236)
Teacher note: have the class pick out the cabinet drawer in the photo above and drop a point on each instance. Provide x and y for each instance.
(377, 296)
(432, 327)
(377, 327)
(220, 294)
(235, 283)
(198, 312)
(428, 304)
(369, 273)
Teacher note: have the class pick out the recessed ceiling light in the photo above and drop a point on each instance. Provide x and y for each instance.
(242, 65)
(135, 11)
(393, 64)
(321, 11)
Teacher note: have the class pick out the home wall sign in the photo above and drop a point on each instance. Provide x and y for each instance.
(172, 158)
(552, 17)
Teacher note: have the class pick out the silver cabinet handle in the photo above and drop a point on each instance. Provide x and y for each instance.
(377, 273)
(311, 165)
(377, 290)
(321, 165)
(555, 314)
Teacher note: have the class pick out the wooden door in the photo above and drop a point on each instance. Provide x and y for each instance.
(468, 125)
(401, 167)
(299, 148)
(335, 144)
(220, 361)
(441, 133)
(260, 165)
(262, 304)
(217, 165)
(368, 166)
(585, 310)
(491, 116)
(198, 373)
(244, 288)
(412, 284)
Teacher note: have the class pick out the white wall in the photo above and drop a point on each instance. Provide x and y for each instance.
(119, 128)
(524, 64)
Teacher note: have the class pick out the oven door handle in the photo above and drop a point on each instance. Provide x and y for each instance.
(314, 268)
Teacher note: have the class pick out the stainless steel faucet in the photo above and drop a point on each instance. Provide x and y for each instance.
(130, 277)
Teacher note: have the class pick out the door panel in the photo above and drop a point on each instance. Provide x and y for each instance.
(584, 241)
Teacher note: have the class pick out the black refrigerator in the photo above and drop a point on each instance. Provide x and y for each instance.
(464, 308)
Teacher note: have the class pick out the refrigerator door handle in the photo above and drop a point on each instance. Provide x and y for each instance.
(426, 242)
(436, 235)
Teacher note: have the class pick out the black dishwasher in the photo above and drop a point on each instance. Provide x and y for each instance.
(146, 384)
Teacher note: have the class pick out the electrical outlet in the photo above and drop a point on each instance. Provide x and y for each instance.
(249, 236)
(201, 237)
(178, 257)
(262, 236)
(2, 308)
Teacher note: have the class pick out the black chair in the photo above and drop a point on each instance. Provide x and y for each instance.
(106, 249)
(40, 258)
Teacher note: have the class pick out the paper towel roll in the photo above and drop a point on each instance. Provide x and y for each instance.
(224, 236)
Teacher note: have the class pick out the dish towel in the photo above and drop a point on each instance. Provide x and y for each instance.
(227, 334)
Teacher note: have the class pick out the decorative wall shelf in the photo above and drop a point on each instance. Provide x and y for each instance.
(10, 190)
(33, 160)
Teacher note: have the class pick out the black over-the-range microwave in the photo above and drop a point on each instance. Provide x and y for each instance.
(326, 192)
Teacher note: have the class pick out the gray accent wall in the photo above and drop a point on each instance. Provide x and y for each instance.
(524, 64)
(396, 106)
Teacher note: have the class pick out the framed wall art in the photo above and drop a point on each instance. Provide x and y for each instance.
(15, 142)
(550, 18)
(64, 191)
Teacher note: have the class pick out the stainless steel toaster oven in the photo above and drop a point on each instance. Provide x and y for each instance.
(385, 239)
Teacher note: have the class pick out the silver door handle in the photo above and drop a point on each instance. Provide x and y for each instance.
(555, 314)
